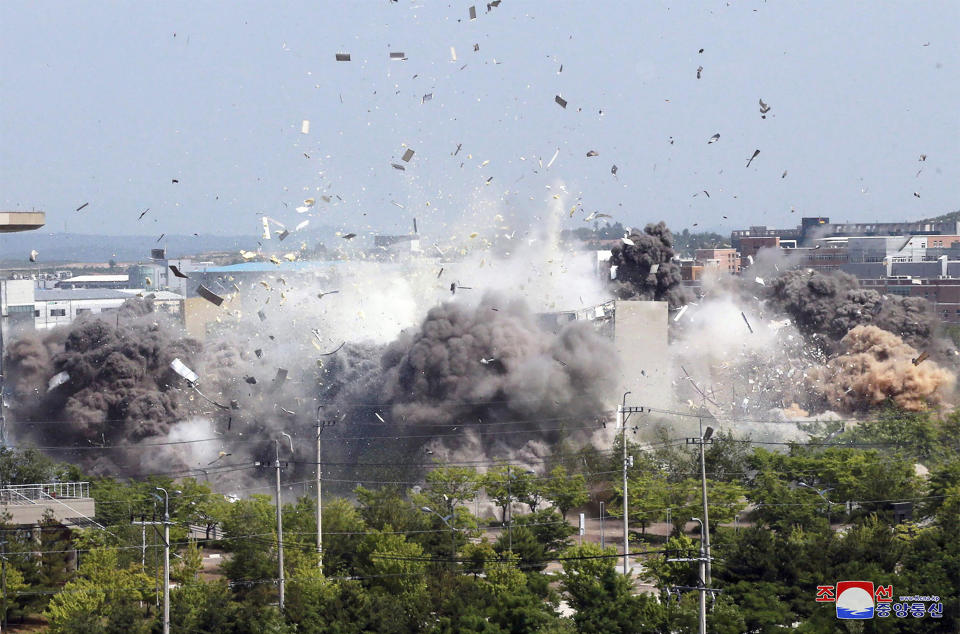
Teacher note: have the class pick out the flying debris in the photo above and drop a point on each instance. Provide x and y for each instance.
(784, 175)
(180, 368)
(746, 322)
(143, 213)
(554, 158)
(397, 55)
(305, 127)
(262, 315)
(343, 57)
(750, 160)
(33, 255)
(321, 294)
(161, 237)
(283, 234)
(82, 206)
(175, 181)
(57, 380)
(916, 194)
(680, 312)
(349, 236)
(596, 214)
(613, 170)
(334, 351)
(628, 241)
(177, 272)
(921, 358)
(560, 101)
(699, 71)
(397, 166)
(209, 295)
(407, 156)
(714, 138)
(764, 109)
(427, 97)
(473, 13)
(592, 153)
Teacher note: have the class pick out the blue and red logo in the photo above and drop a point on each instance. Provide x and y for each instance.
(855, 599)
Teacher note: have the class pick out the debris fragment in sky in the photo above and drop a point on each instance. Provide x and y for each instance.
(553, 158)
(143, 213)
(427, 97)
(398, 55)
(680, 312)
(453, 54)
(33, 255)
(177, 272)
(750, 160)
(764, 109)
(916, 194)
(343, 57)
(592, 153)
(627, 241)
(407, 156)
(759, 280)
(161, 237)
(473, 13)
(714, 138)
(279, 378)
(397, 166)
(349, 236)
(266, 228)
(305, 127)
(57, 380)
(322, 293)
(181, 368)
(613, 170)
(596, 214)
(283, 234)
(784, 175)
(560, 101)
(699, 71)
(209, 295)
(920, 359)
(82, 206)
(334, 351)
(746, 322)
(377, 414)
(301, 225)
(262, 315)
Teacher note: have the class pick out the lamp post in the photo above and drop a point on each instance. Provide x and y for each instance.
(453, 533)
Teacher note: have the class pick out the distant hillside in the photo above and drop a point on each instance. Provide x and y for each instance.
(82, 247)
(953, 215)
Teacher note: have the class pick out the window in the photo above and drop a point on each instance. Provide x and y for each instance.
(58, 312)
(36, 313)
(82, 310)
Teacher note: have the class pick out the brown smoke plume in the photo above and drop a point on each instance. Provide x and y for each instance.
(875, 365)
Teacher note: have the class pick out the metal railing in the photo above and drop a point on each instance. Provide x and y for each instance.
(34, 493)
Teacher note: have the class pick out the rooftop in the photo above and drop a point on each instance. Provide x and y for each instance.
(11, 221)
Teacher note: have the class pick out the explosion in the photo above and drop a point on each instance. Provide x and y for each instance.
(645, 268)
(874, 366)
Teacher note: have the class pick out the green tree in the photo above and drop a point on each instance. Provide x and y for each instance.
(565, 491)
(603, 599)
(199, 606)
(104, 598)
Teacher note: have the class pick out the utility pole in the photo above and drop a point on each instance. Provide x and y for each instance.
(701, 587)
(704, 439)
(320, 425)
(624, 414)
(280, 516)
(602, 543)
(3, 580)
(510, 512)
(166, 560)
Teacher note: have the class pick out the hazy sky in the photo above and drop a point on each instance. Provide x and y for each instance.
(106, 103)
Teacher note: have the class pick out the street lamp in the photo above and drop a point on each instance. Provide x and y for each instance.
(823, 496)
(453, 532)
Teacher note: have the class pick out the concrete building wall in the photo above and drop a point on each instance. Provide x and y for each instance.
(640, 340)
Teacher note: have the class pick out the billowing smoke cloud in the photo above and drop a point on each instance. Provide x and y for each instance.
(119, 385)
(492, 362)
(875, 366)
(829, 306)
(646, 269)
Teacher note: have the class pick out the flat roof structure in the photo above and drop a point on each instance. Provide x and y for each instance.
(12, 221)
